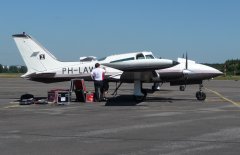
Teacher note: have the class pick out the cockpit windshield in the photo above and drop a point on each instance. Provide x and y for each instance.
(149, 56)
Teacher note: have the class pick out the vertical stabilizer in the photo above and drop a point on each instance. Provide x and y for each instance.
(36, 57)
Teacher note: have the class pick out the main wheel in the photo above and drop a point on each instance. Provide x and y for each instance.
(201, 96)
(139, 99)
(182, 88)
(144, 91)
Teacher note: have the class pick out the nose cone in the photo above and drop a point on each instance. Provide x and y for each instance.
(214, 72)
(217, 73)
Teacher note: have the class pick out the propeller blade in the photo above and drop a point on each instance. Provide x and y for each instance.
(186, 61)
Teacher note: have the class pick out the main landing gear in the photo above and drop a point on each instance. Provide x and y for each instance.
(156, 86)
(139, 93)
(182, 87)
(200, 95)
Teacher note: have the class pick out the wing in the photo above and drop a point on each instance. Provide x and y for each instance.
(130, 76)
(143, 70)
(141, 65)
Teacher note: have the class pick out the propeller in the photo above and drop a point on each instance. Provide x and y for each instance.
(186, 71)
(186, 59)
(186, 67)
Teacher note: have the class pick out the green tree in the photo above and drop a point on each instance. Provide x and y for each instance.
(23, 69)
(13, 69)
(1, 68)
(233, 66)
(5, 69)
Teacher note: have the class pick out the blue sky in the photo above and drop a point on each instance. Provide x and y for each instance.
(207, 29)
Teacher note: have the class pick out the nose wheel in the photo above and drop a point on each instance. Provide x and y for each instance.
(200, 95)
(182, 88)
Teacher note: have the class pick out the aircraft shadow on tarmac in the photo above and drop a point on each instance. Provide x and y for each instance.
(128, 100)
(122, 100)
(165, 99)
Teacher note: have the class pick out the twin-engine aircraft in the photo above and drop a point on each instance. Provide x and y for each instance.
(43, 67)
(137, 68)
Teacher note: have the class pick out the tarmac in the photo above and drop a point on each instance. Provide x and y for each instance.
(169, 122)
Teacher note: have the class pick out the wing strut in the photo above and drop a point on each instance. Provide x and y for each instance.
(117, 87)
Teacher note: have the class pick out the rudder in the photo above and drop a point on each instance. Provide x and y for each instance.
(36, 57)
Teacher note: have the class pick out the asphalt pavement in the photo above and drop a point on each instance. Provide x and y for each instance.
(169, 122)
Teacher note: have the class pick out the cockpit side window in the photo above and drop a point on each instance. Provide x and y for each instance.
(149, 56)
(121, 60)
(140, 56)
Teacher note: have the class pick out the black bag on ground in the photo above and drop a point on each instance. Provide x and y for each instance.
(26, 99)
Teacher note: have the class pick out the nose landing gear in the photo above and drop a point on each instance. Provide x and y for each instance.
(200, 95)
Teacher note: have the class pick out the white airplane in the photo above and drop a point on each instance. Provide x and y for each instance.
(43, 67)
(187, 72)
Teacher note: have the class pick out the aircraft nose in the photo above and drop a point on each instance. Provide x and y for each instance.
(216, 72)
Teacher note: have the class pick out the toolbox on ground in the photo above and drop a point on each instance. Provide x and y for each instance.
(80, 96)
(59, 96)
(89, 97)
(78, 86)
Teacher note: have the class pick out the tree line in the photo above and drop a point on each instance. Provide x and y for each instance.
(230, 67)
(13, 69)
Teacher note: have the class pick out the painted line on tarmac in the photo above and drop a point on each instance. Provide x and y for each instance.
(224, 98)
(11, 106)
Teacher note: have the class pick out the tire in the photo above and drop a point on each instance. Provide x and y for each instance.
(182, 88)
(139, 99)
(201, 96)
(144, 91)
(26, 96)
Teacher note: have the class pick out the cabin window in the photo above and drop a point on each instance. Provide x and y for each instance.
(87, 59)
(149, 56)
(101, 59)
(121, 60)
(140, 56)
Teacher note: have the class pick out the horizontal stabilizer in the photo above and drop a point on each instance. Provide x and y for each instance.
(39, 75)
